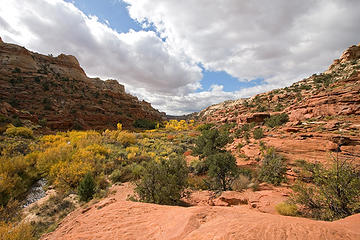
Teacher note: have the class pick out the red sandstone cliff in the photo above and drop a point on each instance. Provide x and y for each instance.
(56, 89)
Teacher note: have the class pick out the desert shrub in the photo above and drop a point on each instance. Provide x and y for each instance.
(205, 126)
(305, 87)
(51, 212)
(51, 156)
(279, 107)
(226, 127)
(43, 122)
(13, 231)
(127, 173)
(132, 152)
(273, 168)
(287, 209)
(121, 175)
(258, 133)
(324, 79)
(144, 124)
(239, 146)
(17, 122)
(68, 174)
(16, 176)
(244, 129)
(247, 137)
(126, 138)
(162, 182)
(181, 125)
(198, 167)
(94, 155)
(86, 188)
(276, 120)
(210, 142)
(12, 147)
(101, 182)
(4, 120)
(19, 132)
(197, 182)
(222, 170)
(333, 192)
(240, 183)
(261, 108)
(11, 212)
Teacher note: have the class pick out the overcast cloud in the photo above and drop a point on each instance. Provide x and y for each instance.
(281, 41)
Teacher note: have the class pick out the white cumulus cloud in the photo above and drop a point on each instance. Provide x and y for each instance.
(139, 59)
(281, 41)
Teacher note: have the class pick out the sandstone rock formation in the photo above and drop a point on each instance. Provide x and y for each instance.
(322, 109)
(56, 92)
(116, 218)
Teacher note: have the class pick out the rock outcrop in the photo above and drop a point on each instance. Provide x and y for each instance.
(116, 218)
(56, 92)
(321, 108)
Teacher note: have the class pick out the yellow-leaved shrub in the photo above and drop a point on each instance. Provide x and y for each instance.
(126, 138)
(68, 174)
(19, 132)
(12, 231)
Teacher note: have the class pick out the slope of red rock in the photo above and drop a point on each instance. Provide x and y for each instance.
(56, 92)
(323, 110)
(116, 218)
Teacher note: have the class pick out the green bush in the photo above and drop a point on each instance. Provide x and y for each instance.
(144, 124)
(222, 170)
(210, 142)
(279, 107)
(261, 108)
(43, 122)
(19, 132)
(258, 133)
(198, 167)
(4, 119)
(128, 173)
(197, 183)
(276, 120)
(287, 209)
(162, 182)
(332, 193)
(206, 126)
(273, 168)
(86, 188)
(244, 129)
(122, 175)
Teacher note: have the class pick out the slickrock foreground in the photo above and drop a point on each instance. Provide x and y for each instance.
(116, 218)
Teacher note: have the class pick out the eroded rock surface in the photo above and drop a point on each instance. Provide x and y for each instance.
(56, 89)
(120, 219)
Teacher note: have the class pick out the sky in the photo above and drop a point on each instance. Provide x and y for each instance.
(182, 56)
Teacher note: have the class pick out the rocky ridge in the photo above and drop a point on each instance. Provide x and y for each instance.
(56, 92)
(323, 110)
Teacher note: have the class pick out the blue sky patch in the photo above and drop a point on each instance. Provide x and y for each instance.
(114, 11)
(230, 83)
